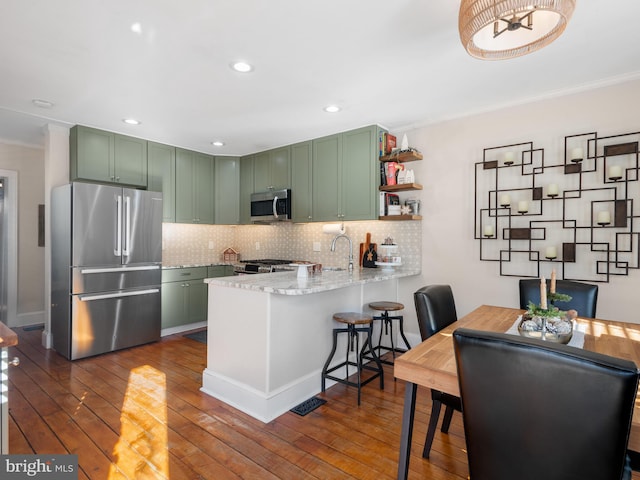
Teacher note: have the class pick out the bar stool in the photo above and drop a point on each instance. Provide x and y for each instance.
(356, 323)
(386, 322)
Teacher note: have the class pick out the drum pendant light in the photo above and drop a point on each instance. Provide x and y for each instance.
(501, 29)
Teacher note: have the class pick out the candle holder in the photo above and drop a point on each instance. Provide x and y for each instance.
(549, 257)
(603, 223)
(488, 235)
(552, 195)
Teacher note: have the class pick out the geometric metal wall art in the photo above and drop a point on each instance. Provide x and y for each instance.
(577, 212)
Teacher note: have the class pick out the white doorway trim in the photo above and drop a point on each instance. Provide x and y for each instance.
(11, 211)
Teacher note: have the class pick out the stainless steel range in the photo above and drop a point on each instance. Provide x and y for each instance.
(263, 265)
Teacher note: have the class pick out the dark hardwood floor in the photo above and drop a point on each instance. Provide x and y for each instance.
(139, 413)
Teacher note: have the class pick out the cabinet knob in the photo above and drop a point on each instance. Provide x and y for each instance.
(15, 361)
(117, 179)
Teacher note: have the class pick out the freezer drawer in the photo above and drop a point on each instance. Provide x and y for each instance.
(106, 279)
(110, 321)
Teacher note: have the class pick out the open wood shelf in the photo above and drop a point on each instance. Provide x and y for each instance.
(401, 157)
(400, 187)
(400, 217)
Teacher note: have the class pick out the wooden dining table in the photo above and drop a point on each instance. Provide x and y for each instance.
(432, 364)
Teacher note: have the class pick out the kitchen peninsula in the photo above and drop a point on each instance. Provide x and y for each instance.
(270, 334)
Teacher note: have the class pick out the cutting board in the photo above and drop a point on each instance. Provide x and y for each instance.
(365, 246)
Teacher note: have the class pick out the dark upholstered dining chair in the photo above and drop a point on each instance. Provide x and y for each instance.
(436, 309)
(584, 296)
(538, 410)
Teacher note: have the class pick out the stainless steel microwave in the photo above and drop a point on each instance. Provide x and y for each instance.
(271, 206)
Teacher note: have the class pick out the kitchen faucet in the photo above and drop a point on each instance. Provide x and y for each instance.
(333, 248)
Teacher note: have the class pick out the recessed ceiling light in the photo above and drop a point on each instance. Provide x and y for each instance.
(217, 143)
(242, 67)
(332, 109)
(136, 28)
(131, 121)
(42, 103)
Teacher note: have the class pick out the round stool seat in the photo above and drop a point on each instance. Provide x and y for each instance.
(386, 306)
(353, 318)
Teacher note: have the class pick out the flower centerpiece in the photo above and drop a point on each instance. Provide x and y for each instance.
(546, 321)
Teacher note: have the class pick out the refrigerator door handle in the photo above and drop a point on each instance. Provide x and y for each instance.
(118, 250)
(103, 296)
(86, 271)
(126, 250)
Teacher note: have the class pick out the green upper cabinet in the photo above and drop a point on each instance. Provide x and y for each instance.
(327, 154)
(194, 187)
(345, 169)
(272, 169)
(161, 176)
(246, 188)
(108, 157)
(360, 170)
(227, 190)
(301, 181)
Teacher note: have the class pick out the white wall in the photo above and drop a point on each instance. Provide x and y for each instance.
(450, 253)
(28, 163)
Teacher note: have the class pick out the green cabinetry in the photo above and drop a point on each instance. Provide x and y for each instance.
(194, 187)
(227, 190)
(184, 296)
(219, 271)
(161, 176)
(301, 181)
(246, 188)
(272, 170)
(100, 156)
(345, 170)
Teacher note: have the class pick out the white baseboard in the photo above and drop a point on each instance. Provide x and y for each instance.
(260, 405)
(182, 328)
(27, 319)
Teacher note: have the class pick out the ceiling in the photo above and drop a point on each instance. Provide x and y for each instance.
(399, 64)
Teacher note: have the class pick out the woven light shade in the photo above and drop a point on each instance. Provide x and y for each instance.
(500, 29)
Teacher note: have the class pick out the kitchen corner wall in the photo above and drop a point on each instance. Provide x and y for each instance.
(185, 244)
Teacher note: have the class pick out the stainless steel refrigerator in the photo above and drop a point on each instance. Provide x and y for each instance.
(106, 259)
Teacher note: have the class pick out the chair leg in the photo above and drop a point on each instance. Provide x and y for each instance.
(446, 420)
(431, 431)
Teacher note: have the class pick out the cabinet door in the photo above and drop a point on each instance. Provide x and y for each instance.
(246, 188)
(161, 176)
(261, 172)
(280, 161)
(227, 190)
(301, 181)
(184, 186)
(359, 172)
(173, 304)
(194, 187)
(326, 182)
(130, 161)
(92, 154)
(204, 188)
(197, 301)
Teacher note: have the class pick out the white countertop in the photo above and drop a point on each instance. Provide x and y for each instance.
(288, 283)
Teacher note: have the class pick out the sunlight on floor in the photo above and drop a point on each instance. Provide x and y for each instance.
(142, 450)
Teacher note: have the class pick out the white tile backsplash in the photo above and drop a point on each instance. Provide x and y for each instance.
(185, 244)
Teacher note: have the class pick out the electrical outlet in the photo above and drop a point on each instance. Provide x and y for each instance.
(257, 245)
(211, 245)
(316, 246)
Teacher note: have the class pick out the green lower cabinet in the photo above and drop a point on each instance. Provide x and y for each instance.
(184, 296)
(219, 271)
